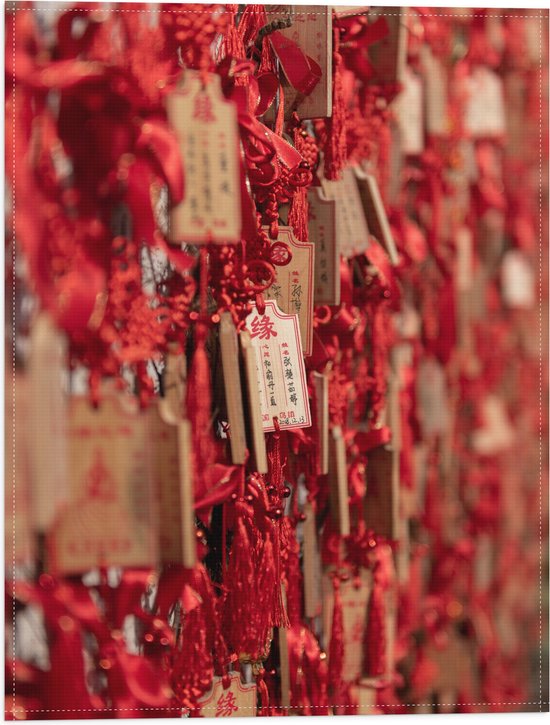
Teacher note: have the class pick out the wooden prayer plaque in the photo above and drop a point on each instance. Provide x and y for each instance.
(110, 519)
(254, 408)
(292, 289)
(238, 700)
(232, 387)
(355, 602)
(311, 30)
(338, 479)
(206, 127)
(375, 213)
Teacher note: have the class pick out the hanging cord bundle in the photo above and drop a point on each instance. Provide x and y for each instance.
(299, 207)
(199, 392)
(253, 603)
(197, 636)
(375, 632)
(251, 583)
(232, 45)
(336, 650)
(336, 147)
(278, 492)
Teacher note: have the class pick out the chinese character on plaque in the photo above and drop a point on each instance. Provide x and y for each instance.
(282, 385)
(293, 286)
(205, 125)
(238, 700)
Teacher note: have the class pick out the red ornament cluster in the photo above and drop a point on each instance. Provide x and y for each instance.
(417, 585)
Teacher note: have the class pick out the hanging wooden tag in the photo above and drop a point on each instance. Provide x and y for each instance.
(320, 381)
(281, 377)
(518, 280)
(284, 664)
(390, 596)
(19, 543)
(484, 113)
(166, 480)
(238, 700)
(256, 429)
(349, 11)
(364, 695)
(409, 110)
(173, 383)
(351, 226)
(322, 232)
(311, 30)
(454, 666)
(47, 422)
(496, 433)
(375, 212)
(311, 565)
(110, 519)
(381, 503)
(338, 480)
(381, 510)
(464, 259)
(435, 79)
(207, 131)
(293, 286)
(232, 387)
(464, 275)
(355, 594)
(187, 497)
(388, 54)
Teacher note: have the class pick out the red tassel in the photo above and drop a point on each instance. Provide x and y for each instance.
(336, 649)
(299, 207)
(276, 467)
(233, 46)
(252, 19)
(263, 692)
(199, 391)
(267, 63)
(290, 561)
(336, 147)
(375, 633)
(375, 654)
(253, 604)
(193, 662)
(199, 404)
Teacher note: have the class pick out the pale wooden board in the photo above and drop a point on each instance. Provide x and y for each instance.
(232, 387)
(292, 289)
(110, 519)
(206, 127)
(311, 30)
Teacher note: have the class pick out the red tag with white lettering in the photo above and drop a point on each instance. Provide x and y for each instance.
(282, 382)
